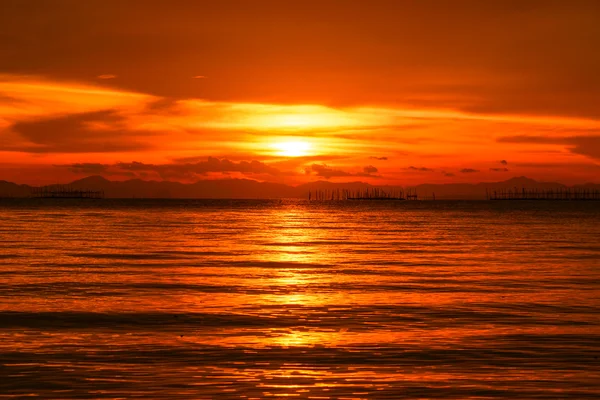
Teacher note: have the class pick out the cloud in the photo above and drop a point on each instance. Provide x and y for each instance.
(531, 139)
(378, 158)
(24, 98)
(499, 169)
(369, 169)
(420, 169)
(97, 169)
(200, 77)
(327, 172)
(503, 162)
(468, 170)
(87, 168)
(190, 170)
(448, 174)
(558, 165)
(584, 145)
(176, 171)
(93, 132)
(106, 76)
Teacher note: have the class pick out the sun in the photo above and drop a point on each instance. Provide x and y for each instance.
(292, 148)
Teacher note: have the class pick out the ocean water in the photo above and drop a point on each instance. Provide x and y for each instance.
(289, 299)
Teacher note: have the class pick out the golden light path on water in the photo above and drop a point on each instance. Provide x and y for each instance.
(259, 299)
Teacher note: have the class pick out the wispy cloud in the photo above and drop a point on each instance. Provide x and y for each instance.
(94, 132)
(585, 145)
(420, 169)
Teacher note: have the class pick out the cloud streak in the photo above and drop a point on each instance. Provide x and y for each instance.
(94, 132)
(584, 145)
(175, 171)
(420, 169)
(323, 170)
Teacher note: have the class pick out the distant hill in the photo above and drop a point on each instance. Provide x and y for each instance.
(478, 190)
(250, 189)
(209, 189)
(9, 189)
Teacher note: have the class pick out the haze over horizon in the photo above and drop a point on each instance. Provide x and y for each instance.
(389, 92)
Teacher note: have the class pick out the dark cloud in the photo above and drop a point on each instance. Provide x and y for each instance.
(97, 169)
(327, 172)
(531, 139)
(87, 168)
(164, 104)
(378, 158)
(189, 160)
(503, 162)
(275, 159)
(588, 146)
(468, 170)
(175, 171)
(563, 165)
(585, 145)
(10, 100)
(190, 170)
(76, 133)
(448, 174)
(420, 169)
(369, 169)
(499, 169)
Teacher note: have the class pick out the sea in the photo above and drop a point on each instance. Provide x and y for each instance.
(272, 299)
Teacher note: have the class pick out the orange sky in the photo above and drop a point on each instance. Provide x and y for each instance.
(385, 91)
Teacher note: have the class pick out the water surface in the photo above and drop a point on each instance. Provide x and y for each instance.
(258, 299)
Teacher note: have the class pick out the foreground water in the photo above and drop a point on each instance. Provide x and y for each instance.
(253, 299)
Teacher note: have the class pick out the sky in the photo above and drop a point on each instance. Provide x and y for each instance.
(381, 91)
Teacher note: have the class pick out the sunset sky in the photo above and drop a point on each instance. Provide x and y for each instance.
(381, 91)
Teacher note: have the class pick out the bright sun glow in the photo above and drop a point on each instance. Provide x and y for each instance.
(292, 149)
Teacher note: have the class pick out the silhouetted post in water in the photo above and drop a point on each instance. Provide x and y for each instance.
(548, 194)
(65, 192)
(366, 194)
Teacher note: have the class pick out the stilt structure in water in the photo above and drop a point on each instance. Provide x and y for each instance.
(65, 192)
(548, 194)
(363, 194)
